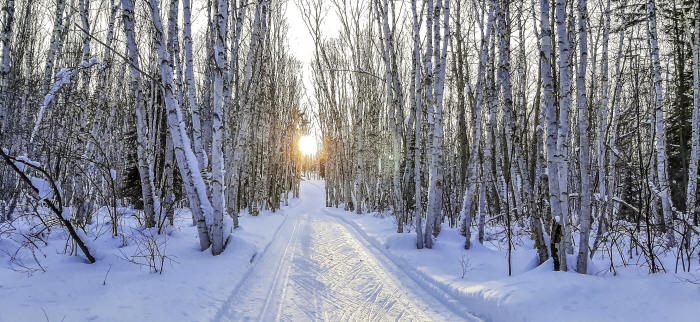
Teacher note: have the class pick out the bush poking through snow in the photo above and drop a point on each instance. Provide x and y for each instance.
(149, 250)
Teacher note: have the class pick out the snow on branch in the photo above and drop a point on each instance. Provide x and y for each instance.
(63, 77)
(47, 190)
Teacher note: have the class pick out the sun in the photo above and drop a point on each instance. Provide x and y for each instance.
(308, 145)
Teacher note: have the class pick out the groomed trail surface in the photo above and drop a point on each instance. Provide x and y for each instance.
(319, 269)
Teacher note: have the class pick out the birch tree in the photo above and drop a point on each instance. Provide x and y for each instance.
(660, 140)
(5, 61)
(584, 148)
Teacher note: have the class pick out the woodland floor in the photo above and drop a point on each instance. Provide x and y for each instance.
(311, 263)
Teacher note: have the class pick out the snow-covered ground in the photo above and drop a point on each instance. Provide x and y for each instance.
(193, 286)
(300, 264)
(319, 269)
(479, 280)
(308, 262)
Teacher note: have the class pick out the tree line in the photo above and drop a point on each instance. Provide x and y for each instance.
(120, 103)
(573, 122)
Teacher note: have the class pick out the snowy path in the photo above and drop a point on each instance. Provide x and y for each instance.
(317, 268)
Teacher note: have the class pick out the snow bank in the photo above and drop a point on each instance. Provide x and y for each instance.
(194, 285)
(532, 293)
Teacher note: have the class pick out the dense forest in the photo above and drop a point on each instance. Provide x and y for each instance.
(573, 123)
(110, 104)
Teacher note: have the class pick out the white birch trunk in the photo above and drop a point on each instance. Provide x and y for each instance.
(195, 187)
(192, 86)
(661, 157)
(231, 171)
(584, 148)
(144, 164)
(691, 191)
(601, 130)
(417, 96)
(5, 60)
(550, 115)
(438, 131)
(56, 38)
(473, 172)
(563, 132)
(217, 153)
(428, 80)
(612, 207)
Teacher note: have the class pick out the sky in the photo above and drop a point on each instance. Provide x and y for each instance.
(301, 45)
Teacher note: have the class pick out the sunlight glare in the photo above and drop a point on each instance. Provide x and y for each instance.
(308, 145)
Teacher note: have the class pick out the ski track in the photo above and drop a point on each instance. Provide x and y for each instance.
(318, 269)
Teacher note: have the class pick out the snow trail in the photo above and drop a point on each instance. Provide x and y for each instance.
(317, 269)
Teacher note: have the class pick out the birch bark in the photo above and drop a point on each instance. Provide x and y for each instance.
(601, 130)
(5, 60)
(145, 165)
(550, 115)
(416, 100)
(190, 172)
(563, 124)
(661, 157)
(192, 85)
(584, 148)
(56, 38)
(441, 47)
(473, 172)
(691, 190)
(217, 154)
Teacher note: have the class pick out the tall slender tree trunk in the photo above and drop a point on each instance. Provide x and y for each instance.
(192, 86)
(660, 130)
(190, 172)
(5, 60)
(142, 151)
(691, 191)
(473, 172)
(218, 114)
(550, 115)
(563, 131)
(56, 38)
(416, 101)
(438, 129)
(584, 148)
(601, 130)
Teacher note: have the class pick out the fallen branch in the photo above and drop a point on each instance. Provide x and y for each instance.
(56, 209)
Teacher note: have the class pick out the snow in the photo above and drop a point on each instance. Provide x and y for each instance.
(92, 61)
(67, 213)
(27, 160)
(309, 262)
(192, 286)
(43, 186)
(318, 268)
(532, 293)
